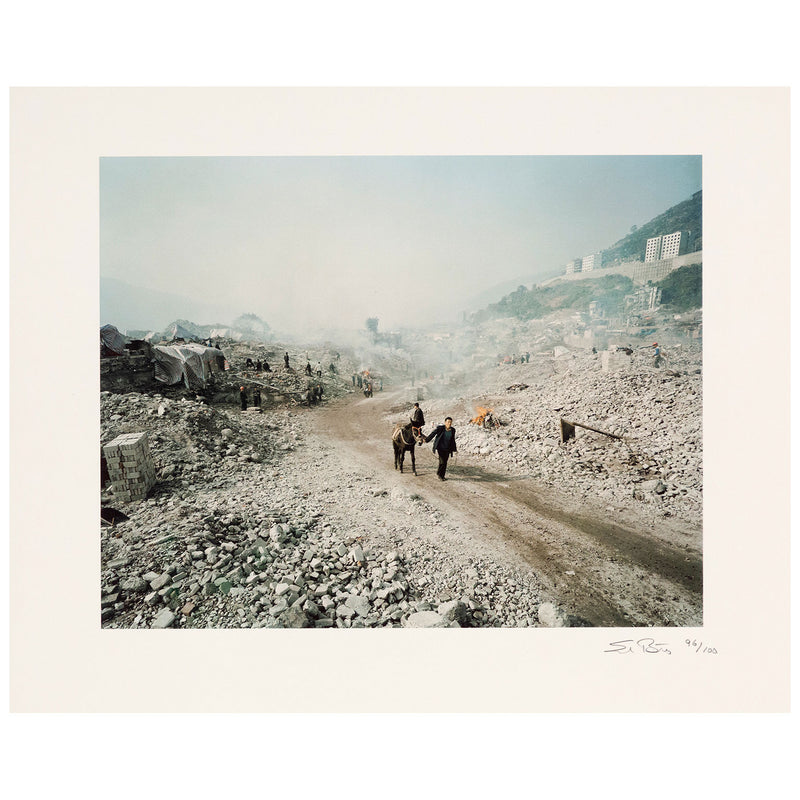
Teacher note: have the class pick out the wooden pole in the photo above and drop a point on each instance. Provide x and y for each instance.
(568, 430)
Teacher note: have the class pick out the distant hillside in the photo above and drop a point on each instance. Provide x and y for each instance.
(686, 216)
(538, 302)
(127, 306)
(611, 289)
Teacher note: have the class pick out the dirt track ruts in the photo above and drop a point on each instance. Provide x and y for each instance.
(600, 571)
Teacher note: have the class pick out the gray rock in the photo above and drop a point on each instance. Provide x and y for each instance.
(280, 606)
(163, 619)
(134, 585)
(277, 534)
(425, 619)
(357, 554)
(312, 609)
(359, 604)
(161, 581)
(453, 611)
(296, 618)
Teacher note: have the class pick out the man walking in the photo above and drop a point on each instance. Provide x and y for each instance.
(444, 445)
(417, 417)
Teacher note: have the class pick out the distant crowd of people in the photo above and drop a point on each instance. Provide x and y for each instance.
(523, 358)
(367, 382)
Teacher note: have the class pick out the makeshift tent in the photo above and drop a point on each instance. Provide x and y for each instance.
(112, 342)
(191, 363)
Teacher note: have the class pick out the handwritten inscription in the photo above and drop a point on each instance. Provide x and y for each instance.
(700, 647)
(639, 646)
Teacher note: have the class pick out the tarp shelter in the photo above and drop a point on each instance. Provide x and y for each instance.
(191, 363)
(112, 342)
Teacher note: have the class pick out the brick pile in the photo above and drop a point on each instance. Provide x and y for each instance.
(130, 466)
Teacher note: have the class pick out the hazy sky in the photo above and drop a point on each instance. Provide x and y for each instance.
(330, 241)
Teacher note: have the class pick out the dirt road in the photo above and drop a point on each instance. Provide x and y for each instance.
(600, 567)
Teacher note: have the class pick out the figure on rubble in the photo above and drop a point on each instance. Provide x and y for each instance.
(286, 360)
(417, 418)
(258, 365)
(266, 367)
(308, 368)
(257, 398)
(243, 397)
(444, 445)
(657, 355)
(248, 363)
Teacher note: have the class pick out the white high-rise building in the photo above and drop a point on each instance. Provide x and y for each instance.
(573, 266)
(652, 251)
(671, 244)
(592, 261)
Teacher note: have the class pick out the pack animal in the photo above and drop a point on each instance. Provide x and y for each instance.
(405, 438)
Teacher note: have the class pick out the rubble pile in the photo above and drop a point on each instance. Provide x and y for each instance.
(189, 441)
(658, 412)
(231, 571)
(228, 538)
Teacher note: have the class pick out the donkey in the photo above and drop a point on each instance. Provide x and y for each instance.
(406, 437)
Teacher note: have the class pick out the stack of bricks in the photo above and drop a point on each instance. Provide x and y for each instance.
(130, 466)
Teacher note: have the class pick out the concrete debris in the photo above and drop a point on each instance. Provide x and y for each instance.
(658, 415)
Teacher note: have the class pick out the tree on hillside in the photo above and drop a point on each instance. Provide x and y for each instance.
(372, 325)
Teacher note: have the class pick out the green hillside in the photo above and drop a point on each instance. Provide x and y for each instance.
(686, 216)
(538, 302)
(682, 289)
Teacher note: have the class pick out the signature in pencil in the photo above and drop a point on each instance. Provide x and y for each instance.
(639, 646)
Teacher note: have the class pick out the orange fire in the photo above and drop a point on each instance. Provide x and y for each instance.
(482, 413)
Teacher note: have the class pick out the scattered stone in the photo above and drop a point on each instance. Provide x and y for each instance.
(453, 611)
(425, 619)
(163, 619)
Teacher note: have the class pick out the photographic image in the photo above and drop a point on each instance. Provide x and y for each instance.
(342, 392)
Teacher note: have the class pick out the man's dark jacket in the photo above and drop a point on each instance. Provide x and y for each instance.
(443, 440)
